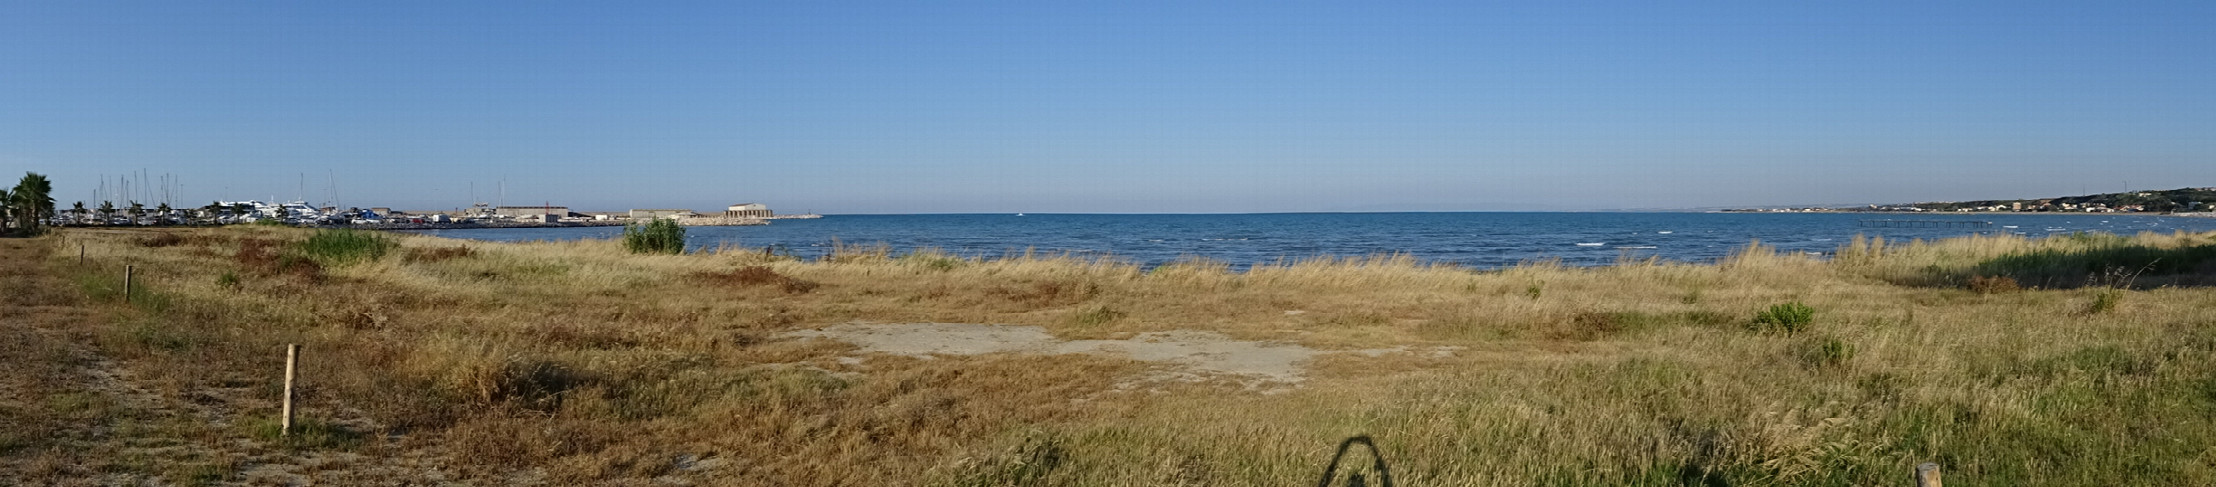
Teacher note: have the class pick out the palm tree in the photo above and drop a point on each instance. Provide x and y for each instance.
(32, 201)
(77, 213)
(137, 209)
(207, 213)
(7, 211)
(163, 212)
(107, 211)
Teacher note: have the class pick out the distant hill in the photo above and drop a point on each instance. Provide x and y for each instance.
(2175, 200)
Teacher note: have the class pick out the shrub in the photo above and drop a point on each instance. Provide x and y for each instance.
(344, 246)
(1787, 317)
(661, 236)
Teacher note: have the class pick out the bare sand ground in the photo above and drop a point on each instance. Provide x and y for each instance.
(1197, 354)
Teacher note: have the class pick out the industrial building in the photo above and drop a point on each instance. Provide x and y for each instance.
(530, 211)
(748, 210)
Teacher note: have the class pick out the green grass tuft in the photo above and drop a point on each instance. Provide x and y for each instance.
(345, 246)
(661, 236)
(2105, 301)
(1789, 317)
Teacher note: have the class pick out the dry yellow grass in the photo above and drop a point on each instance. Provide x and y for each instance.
(567, 362)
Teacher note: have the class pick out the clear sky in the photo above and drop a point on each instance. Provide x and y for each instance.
(1127, 106)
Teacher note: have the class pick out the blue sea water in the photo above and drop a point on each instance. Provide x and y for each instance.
(1476, 240)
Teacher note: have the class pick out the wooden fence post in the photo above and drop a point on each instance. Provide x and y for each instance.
(1927, 475)
(292, 363)
(80, 253)
(127, 283)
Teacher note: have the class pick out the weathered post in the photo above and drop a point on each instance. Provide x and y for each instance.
(80, 253)
(1927, 475)
(292, 364)
(127, 283)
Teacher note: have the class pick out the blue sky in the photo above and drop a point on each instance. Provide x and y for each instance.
(841, 107)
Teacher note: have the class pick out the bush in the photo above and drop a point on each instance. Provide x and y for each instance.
(661, 236)
(343, 246)
(1788, 317)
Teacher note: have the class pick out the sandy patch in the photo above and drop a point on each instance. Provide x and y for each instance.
(1203, 352)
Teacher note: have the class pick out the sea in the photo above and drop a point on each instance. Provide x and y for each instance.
(1481, 240)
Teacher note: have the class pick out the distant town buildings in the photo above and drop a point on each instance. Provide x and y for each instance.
(2182, 200)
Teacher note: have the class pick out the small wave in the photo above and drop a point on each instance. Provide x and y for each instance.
(1638, 247)
(1666, 232)
(1591, 244)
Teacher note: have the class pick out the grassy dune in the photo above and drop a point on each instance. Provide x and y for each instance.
(2071, 360)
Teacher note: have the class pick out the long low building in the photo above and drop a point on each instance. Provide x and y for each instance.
(530, 211)
(650, 214)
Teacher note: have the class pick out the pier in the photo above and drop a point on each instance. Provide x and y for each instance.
(1924, 224)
